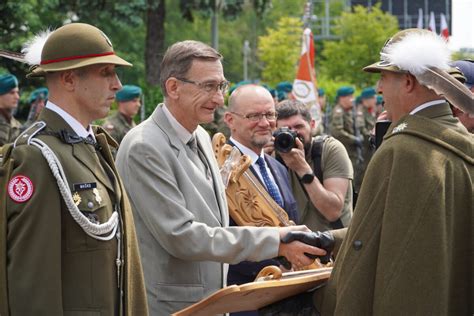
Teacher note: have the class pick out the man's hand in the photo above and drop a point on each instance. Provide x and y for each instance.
(269, 147)
(295, 251)
(323, 240)
(295, 159)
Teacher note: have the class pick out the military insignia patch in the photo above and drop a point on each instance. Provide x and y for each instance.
(400, 127)
(98, 198)
(76, 198)
(20, 188)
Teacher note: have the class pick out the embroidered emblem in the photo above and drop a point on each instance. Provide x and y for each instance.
(76, 198)
(98, 198)
(20, 188)
(400, 127)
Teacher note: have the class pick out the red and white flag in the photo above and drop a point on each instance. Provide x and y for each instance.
(419, 24)
(444, 32)
(432, 24)
(304, 86)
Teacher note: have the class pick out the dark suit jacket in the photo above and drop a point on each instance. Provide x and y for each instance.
(246, 271)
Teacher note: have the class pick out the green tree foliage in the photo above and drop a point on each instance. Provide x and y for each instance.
(280, 50)
(463, 54)
(362, 35)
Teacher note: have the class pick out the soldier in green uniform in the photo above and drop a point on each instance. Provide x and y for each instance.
(9, 97)
(408, 250)
(345, 127)
(71, 247)
(128, 100)
(37, 101)
(368, 101)
(366, 120)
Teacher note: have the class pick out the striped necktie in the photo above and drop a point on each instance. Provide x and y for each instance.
(269, 183)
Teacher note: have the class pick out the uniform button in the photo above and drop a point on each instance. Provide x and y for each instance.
(357, 245)
(90, 204)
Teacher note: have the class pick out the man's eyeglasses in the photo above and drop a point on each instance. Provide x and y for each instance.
(209, 86)
(256, 117)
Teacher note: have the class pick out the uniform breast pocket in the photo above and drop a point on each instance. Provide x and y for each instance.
(96, 206)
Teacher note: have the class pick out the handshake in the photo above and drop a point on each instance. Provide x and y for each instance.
(322, 240)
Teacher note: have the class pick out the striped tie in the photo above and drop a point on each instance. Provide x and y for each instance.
(271, 186)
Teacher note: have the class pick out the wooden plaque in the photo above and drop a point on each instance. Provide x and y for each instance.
(255, 295)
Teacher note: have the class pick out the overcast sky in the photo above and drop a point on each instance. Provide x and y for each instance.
(462, 33)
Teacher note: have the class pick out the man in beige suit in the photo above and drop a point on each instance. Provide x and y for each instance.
(177, 193)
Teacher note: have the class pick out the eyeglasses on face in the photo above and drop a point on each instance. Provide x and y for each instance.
(209, 86)
(256, 117)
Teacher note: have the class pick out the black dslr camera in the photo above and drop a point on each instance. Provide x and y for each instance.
(285, 139)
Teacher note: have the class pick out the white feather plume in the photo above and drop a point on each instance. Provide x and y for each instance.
(418, 51)
(33, 48)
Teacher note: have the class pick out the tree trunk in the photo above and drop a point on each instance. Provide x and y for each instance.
(155, 40)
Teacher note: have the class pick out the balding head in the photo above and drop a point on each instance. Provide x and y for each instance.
(251, 116)
(249, 92)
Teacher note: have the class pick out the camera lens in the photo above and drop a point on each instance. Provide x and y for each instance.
(284, 139)
(285, 142)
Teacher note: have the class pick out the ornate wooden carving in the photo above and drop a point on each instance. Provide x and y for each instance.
(249, 202)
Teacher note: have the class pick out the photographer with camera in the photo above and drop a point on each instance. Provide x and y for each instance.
(320, 169)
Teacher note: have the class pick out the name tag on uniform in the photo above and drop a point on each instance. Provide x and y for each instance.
(84, 186)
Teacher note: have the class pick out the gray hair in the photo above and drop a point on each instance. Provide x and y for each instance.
(179, 57)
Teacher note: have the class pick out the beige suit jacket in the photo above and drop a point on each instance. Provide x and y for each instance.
(182, 218)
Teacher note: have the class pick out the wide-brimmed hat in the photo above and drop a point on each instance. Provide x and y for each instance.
(73, 46)
(387, 62)
(426, 56)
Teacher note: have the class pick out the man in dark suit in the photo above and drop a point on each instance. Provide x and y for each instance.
(251, 118)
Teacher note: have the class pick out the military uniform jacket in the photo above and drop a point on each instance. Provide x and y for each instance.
(182, 218)
(408, 250)
(342, 126)
(8, 130)
(53, 267)
(117, 126)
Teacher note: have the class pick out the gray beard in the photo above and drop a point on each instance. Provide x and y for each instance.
(260, 142)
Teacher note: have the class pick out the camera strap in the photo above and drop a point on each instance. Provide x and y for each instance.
(316, 153)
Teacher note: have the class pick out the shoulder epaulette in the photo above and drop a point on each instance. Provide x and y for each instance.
(25, 137)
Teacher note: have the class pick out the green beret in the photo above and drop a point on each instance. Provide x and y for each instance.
(40, 93)
(128, 92)
(321, 92)
(358, 100)
(379, 99)
(344, 91)
(368, 93)
(7, 83)
(281, 95)
(284, 86)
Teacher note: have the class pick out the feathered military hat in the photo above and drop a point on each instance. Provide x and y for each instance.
(71, 46)
(426, 56)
